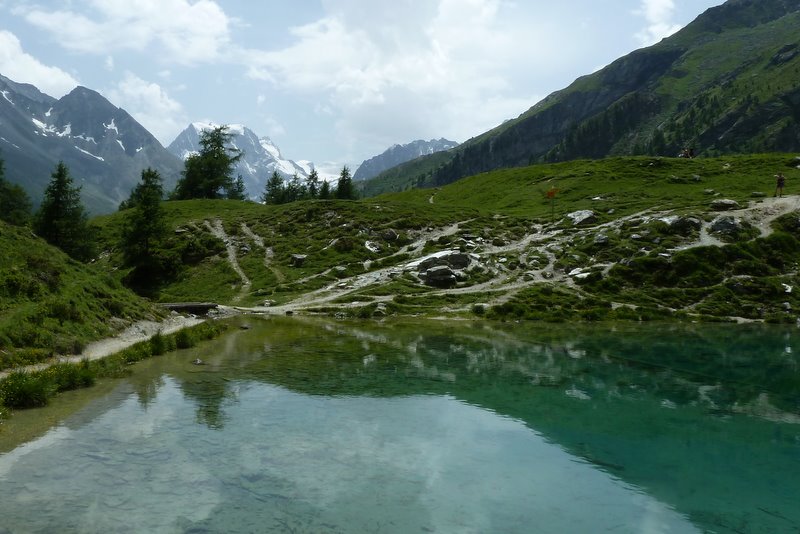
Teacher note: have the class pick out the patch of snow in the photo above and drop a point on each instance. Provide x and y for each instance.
(42, 126)
(10, 143)
(121, 145)
(5, 95)
(272, 150)
(415, 264)
(139, 149)
(86, 138)
(67, 131)
(186, 154)
(89, 153)
(306, 165)
(49, 111)
(111, 126)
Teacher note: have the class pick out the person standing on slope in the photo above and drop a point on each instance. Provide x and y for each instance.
(780, 181)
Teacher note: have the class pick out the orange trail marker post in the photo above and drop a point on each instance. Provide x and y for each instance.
(551, 194)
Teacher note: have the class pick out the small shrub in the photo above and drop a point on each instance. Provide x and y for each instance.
(25, 390)
(184, 340)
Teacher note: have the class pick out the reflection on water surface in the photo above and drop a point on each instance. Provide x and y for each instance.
(310, 426)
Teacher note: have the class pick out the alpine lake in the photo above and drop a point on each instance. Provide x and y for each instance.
(296, 424)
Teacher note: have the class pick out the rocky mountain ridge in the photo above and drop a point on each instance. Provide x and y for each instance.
(104, 147)
(397, 154)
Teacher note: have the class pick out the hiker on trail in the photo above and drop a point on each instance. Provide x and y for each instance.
(780, 181)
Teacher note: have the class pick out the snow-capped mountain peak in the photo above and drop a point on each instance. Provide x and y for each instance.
(261, 157)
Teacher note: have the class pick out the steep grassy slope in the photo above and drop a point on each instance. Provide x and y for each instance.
(727, 83)
(653, 246)
(50, 304)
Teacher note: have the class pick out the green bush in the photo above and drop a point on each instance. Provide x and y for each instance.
(26, 390)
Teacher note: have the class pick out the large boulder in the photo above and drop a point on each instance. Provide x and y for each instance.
(582, 217)
(726, 225)
(440, 276)
(297, 260)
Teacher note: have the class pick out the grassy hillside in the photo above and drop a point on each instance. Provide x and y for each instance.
(725, 84)
(51, 304)
(631, 260)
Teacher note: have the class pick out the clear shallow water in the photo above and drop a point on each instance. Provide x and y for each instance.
(307, 426)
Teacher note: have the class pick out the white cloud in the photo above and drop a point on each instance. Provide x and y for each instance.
(658, 14)
(24, 68)
(179, 30)
(150, 105)
(380, 64)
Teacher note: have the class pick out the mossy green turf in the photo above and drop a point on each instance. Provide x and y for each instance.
(50, 304)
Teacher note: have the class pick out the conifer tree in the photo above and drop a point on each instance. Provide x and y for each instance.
(15, 206)
(144, 231)
(61, 219)
(275, 191)
(344, 187)
(325, 190)
(312, 184)
(209, 174)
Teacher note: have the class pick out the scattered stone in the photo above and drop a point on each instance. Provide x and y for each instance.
(390, 235)
(787, 306)
(758, 194)
(297, 260)
(636, 237)
(547, 275)
(289, 312)
(372, 247)
(709, 192)
(582, 217)
(179, 231)
(198, 361)
(268, 303)
(724, 204)
(601, 239)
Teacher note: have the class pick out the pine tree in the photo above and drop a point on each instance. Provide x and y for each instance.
(61, 219)
(15, 206)
(209, 174)
(295, 189)
(144, 231)
(238, 191)
(344, 187)
(312, 184)
(325, 190)
(274, 192)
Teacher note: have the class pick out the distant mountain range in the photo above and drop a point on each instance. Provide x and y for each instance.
(103, 146)
(727, 83)
(261, 157)
(398, 154)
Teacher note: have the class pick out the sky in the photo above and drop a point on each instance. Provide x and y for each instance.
(330, 81)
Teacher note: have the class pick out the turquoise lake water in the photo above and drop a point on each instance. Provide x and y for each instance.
(301, 425)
